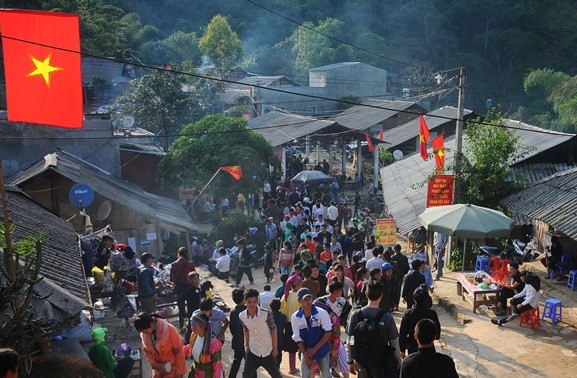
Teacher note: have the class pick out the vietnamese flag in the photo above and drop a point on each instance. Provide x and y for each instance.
(423, 136)
(382, 134)
(439, 152)
(42, 67)
(234, 170)
(369, 143)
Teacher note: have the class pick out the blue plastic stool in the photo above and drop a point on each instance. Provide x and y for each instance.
(482, 263)
(553, 310)
(571, 284)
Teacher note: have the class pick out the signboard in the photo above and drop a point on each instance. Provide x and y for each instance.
(440, 191)
(81, 196)
(386, 231)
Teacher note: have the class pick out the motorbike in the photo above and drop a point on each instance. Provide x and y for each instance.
(515, 251)
(526, 251)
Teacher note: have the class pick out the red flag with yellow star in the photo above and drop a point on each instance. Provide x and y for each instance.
(439, 152)
(42, 67)
(423, 136)
(234, 170)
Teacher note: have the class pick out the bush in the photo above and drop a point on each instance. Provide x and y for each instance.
(236, 222)
(456, 264)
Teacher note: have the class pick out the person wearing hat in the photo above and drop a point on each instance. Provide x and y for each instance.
(215, 256)
(162, 345)
(390, 288)
(100, 355)
(311, 330)
(179, 277)
(205, 349)
(125, 362)
(146, 288)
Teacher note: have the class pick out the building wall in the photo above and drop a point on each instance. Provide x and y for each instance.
(360, 80)
(23, 144)
(140, 168)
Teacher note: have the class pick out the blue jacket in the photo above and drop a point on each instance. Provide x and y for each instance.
(146, 282)
(310, 332)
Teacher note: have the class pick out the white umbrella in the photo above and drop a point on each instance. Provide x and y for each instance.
(466, 221)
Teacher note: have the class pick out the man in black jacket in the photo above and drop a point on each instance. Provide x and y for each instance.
(412, 281)
(244, 263)
(426, 362)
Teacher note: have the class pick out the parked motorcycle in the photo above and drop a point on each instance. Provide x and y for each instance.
(507, 253)
(526, 251)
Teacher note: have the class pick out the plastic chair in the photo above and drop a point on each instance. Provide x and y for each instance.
(565, 265)
(482, 263)
(531, 318)
(495, 264)
(553, 310)
(571, 284)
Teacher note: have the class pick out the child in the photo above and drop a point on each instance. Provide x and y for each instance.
(218, 321)
(280, 289)
(280, 321)
(207, 287)
(124, 362)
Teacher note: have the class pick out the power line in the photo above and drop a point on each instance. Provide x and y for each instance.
(273, 89)
(330, 36)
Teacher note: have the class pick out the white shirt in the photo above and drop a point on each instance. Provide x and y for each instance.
(375, 262)
(266, 187)
(259, 327)
(265, 298)
(368, 254)
(332, 212)
(223, 264)
(531, 296)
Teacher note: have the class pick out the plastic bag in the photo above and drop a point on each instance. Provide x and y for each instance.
(108, 284)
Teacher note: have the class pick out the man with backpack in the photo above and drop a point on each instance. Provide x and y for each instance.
(373, 344)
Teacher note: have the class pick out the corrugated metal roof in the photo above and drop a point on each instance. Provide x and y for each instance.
(125, 193)
(553, 200)
(405, 199)
(542, 140)
(532, 173)
(335, 65)
(360, 117)
(265, 81)
(434, 119)
(281, 128)
(107, 69)
(61, 257)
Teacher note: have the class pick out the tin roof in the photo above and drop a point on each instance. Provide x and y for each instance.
(372, 112)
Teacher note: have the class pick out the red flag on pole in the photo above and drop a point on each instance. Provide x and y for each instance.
(234, 170)
(369, 143)
(382, 134)
(42, 67)
(423, 136)
(439, 152)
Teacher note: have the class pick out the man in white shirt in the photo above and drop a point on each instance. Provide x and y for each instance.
(375, 261)
(266, 192)
(332, 213)
(266, 297)
(260, 337)
(223, 265)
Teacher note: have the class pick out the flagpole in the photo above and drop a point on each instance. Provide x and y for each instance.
(202, 191)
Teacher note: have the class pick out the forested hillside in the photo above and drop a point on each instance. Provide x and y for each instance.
(499, 42)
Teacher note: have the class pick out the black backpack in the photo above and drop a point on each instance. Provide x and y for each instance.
(368, 345)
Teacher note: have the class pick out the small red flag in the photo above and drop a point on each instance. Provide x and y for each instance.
(42, 67)
(439, 152)
(234, 170)
(423, 136)
(382, 134)
(369, 143)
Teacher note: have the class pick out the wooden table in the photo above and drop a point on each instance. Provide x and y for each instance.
(476, 295)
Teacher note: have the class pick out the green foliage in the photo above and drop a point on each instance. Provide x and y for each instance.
(385, 157)
(560, 91)
(213, 142)
(236, 222)
(158, 103)
(178, 48)
(456, 264)
(485, 165)
(221, 45)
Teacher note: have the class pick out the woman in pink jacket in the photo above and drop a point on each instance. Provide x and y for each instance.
(165, 354)
(205, 349)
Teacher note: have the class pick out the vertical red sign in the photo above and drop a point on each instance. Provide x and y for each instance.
(440, 191)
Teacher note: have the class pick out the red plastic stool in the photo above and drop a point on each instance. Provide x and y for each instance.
(495, 264)
(531, 318)
(500, 277)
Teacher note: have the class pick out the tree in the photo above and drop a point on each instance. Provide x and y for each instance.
(178, 48)
(158, 103)
(213, 142)
(20, 327)
(485, 165)
(560, 91)
(221, 45)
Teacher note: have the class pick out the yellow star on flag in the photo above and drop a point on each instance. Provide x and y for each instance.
(440, 153)
(43, 68)
(421, 138)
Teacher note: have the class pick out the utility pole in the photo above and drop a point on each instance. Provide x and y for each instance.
(459, 134)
